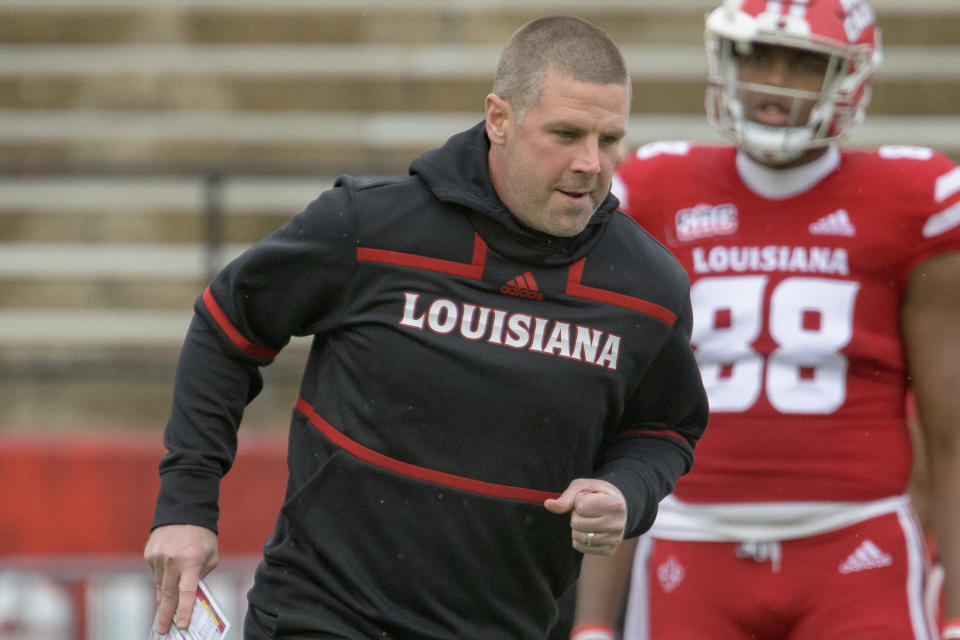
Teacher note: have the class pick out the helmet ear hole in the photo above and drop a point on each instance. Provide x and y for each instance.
(842, 30)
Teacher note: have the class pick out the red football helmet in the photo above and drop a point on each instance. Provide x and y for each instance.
(844, 30)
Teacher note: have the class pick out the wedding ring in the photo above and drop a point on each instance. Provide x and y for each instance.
(590, 539)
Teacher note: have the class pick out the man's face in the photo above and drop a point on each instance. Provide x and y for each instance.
(784, 68)
(553, 166)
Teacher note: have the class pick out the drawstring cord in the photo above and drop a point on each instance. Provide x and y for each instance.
(762, 552)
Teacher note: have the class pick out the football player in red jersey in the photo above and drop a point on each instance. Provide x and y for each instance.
(824, 284)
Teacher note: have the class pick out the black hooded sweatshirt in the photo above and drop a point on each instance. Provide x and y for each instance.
(464, 367)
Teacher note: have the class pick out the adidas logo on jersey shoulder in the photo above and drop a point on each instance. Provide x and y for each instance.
(836, 224)
(867, 556)
(523, 286)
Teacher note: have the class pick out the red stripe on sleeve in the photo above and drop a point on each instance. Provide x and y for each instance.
(420, 473)
(235, 336)
(667, 433)
(577, 290)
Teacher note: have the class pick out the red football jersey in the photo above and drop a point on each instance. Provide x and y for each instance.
(797, 283)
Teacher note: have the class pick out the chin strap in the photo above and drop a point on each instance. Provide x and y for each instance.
(776, 144)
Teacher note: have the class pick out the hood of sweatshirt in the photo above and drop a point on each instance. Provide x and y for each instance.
(457, 173)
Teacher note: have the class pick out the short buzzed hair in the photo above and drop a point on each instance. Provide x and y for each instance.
(571, 46)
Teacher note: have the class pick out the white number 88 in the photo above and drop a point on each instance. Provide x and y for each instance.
(810, 319)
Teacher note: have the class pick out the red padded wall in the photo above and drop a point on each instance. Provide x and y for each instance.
(94, 493)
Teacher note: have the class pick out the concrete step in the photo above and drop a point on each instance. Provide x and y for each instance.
(69, 243)
(149, 209)
(140, 225)
(382, 77)
(385, 61)
(331, 143)
(251, 21)
(65, 277)
(115, 333)
(97, 381)
(911, 92)
(90, 327)
(245, 22)
(59, 294)
(136, 262)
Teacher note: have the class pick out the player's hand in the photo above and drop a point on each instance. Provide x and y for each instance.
(598, 515)
(178, 556)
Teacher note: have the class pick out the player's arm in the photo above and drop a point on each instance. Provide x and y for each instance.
(931, 328)
(279, 288)
(601, 590)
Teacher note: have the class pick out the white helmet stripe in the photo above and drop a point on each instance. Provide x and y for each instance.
(774, 8)
(798, 9)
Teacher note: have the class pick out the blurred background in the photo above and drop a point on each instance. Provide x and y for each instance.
(144, 143)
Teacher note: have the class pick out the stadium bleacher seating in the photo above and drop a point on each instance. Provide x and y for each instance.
(125, 123)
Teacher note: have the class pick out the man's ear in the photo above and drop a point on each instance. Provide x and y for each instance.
(497, 112)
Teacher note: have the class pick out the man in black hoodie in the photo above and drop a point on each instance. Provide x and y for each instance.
(500, 379)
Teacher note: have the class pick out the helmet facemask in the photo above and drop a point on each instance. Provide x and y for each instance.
(836, 106)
